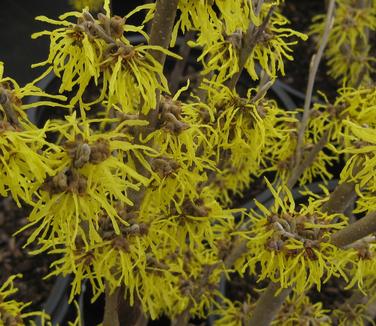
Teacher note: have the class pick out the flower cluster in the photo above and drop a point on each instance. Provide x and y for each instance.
(360, 164)
(352, 315)
(292, 247)
(350, 123)
(131, 190)
(96, 50)
(234, 313)
(329, 126)
(223, 36)
(349, 52)
(12, 312)
(22, 168)
(298, 309)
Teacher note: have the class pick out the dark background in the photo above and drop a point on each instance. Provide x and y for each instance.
(17, 50)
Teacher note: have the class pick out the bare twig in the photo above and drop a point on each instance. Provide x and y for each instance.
(308, 160)
(240, 247)
(249, 42)
(178, 70)
(268, 305)
(111, 317)
(340, 198)
(264, 86)
(161, 30)
(315, 62)
(356, 231)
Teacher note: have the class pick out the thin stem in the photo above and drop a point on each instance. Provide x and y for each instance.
(340, 198)
(259, 7)
(308, 160)
(264, 86)
(161, 30)
(356, 231)
(240, 247)
(111, 317)
(182, 319)
(249, 42)
(268, 305)
(315, 62)
(179, 67)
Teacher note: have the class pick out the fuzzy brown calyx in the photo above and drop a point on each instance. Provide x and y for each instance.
(81, 152)
(195, 208)
(299, 227)
(8, 104)
(236, 39)
(113, 26)
(66, 181)
(164, 166)
(170, 115)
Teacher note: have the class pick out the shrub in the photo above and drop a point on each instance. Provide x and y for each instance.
(133, 189)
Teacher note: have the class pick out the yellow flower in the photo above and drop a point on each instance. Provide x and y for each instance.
(361, 164)
(348, 49)
(352, 315)
(131, 77)
(254, 136)
(94, 5)
(96, 50)
(273, 47)
(239, 136)
(13, 95)
(355, 105)
(296, 310)
(22, 166)
(280, 141)
(221, 56)
(233, 14)
(335, 120)
(11, 311)
(292, 246)
(233, 313)
(178, 168)
(363, 263)
(74, 55)
(147, 260)
(299, 310)
(90, 173)
(222, 37)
